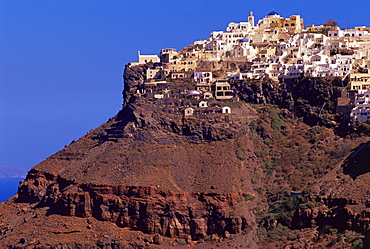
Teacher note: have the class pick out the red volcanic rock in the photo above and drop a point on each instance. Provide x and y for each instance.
(142, 176)
(152, 177)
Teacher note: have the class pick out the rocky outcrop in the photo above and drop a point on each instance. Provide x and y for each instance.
(154, 115)
(340, 213)
(133, 78)
(149, 209)
(313, 99)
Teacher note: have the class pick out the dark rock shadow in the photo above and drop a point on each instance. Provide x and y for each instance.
(358, 163)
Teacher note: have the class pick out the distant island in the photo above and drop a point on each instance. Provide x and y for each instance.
(12, 172)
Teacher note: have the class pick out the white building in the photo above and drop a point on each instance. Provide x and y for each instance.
(203, 77)
(361, 111)
(147, 58)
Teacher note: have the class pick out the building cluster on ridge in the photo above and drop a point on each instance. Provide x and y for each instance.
(276, 47)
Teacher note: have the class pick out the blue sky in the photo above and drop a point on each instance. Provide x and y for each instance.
(61, 62)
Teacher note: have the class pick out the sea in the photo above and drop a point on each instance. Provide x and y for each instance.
(8, 187)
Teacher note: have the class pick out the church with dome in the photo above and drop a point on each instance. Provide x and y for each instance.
(293, 24)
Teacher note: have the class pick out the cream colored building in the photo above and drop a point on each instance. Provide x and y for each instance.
(294, 24)
(223, 90)
(186, 64)
(152, 73)
(359, 81)
(168, 55)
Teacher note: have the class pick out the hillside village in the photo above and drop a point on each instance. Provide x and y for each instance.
(275, 47)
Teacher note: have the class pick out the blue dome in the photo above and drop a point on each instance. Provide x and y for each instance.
(273, 12)
(244, 40)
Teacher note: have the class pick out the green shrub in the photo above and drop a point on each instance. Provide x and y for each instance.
(253, 126)
(261, 153)
(307, 205)
(240, 151)
(358, 244)
(315, 134)
(278, 233)
(248, 197)
(262, 234)
(261, 190)
(277, 121)
(182, 242)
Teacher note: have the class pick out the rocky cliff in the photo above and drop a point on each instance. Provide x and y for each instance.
(153, 177)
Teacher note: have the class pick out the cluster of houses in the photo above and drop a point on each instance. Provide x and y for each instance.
(360, 85)
(202, 97)
(276, 47)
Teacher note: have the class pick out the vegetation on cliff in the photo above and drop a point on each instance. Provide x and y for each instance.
(301, 141)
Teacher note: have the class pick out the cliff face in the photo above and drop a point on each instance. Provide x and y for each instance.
(146, 170)
(152, 210)
(152, 176)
